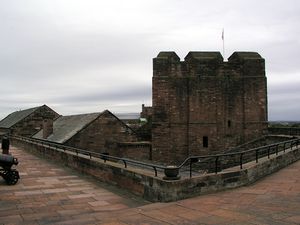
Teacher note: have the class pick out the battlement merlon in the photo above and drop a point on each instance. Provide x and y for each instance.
(203, 63)
(204, 57)
(251, 63)
(165, 63)
(240, 57)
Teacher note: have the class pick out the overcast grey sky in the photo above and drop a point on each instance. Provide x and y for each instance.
(81, 56)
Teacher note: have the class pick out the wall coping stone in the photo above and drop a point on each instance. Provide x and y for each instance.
(144, 183)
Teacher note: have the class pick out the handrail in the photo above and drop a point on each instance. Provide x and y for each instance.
(91, 154)
(284, 130)
(191, 159)
(236, 153)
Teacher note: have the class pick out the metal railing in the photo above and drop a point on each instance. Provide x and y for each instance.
(253, 155)
(219, 161)
(91, 154)
(292, 131)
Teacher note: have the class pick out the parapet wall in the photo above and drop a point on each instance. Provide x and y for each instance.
(203, 105)
(143, 183)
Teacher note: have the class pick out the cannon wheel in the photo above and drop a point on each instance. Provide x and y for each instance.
(11, 177)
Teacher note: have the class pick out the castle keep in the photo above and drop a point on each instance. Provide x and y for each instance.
(203, 105)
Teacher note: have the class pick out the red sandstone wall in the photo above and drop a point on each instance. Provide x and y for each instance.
(136, 151)
(146, 111)
(102, 134)
(34, 122)
(206, 97)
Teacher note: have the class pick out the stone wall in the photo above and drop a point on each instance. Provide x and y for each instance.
(203, 105)
(4, 131)
(146, 112)
(152, 188)
(34, 122)
(141, 151)
(102, 134)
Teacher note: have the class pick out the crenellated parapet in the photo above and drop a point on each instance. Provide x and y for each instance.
(206, 63)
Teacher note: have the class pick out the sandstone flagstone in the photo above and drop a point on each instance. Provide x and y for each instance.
(66, 197)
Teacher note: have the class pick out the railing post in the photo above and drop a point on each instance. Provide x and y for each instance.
(150, 153)
(269, 152)
(125, 164)
(155, 170)
(276, 149)
(190, 168)
(216, 164)
(241, 161)
(291, 145)
(256, 155)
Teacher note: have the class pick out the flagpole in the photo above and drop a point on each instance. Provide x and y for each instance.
(223, 40)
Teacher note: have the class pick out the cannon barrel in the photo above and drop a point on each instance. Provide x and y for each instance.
(8, 160)
(11, 176)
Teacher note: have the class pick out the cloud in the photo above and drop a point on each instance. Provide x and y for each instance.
(82, 56)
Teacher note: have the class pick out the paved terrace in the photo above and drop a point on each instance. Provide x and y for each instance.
(51, 194)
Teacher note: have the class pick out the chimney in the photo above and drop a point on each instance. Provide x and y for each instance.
(47, 127)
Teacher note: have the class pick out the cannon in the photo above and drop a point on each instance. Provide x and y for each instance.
(11, 176)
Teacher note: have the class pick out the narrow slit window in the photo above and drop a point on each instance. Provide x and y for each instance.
(229, 123)
(205, 141)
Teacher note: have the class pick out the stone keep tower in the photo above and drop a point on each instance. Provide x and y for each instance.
(203, 105)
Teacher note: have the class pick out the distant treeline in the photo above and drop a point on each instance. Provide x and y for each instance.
(284, 124)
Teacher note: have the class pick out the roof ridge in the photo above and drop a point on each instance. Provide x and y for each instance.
(16, 116)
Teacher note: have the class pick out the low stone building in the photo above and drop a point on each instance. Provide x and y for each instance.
(98, 132)
(26, 122)
(146, 112)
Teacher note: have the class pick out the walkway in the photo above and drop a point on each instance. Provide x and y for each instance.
(49, 194)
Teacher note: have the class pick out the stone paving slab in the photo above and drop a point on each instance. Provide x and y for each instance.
(48, 193)
(56, 195)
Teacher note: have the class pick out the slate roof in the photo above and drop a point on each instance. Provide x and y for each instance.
(16, 117)
(65, 127)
